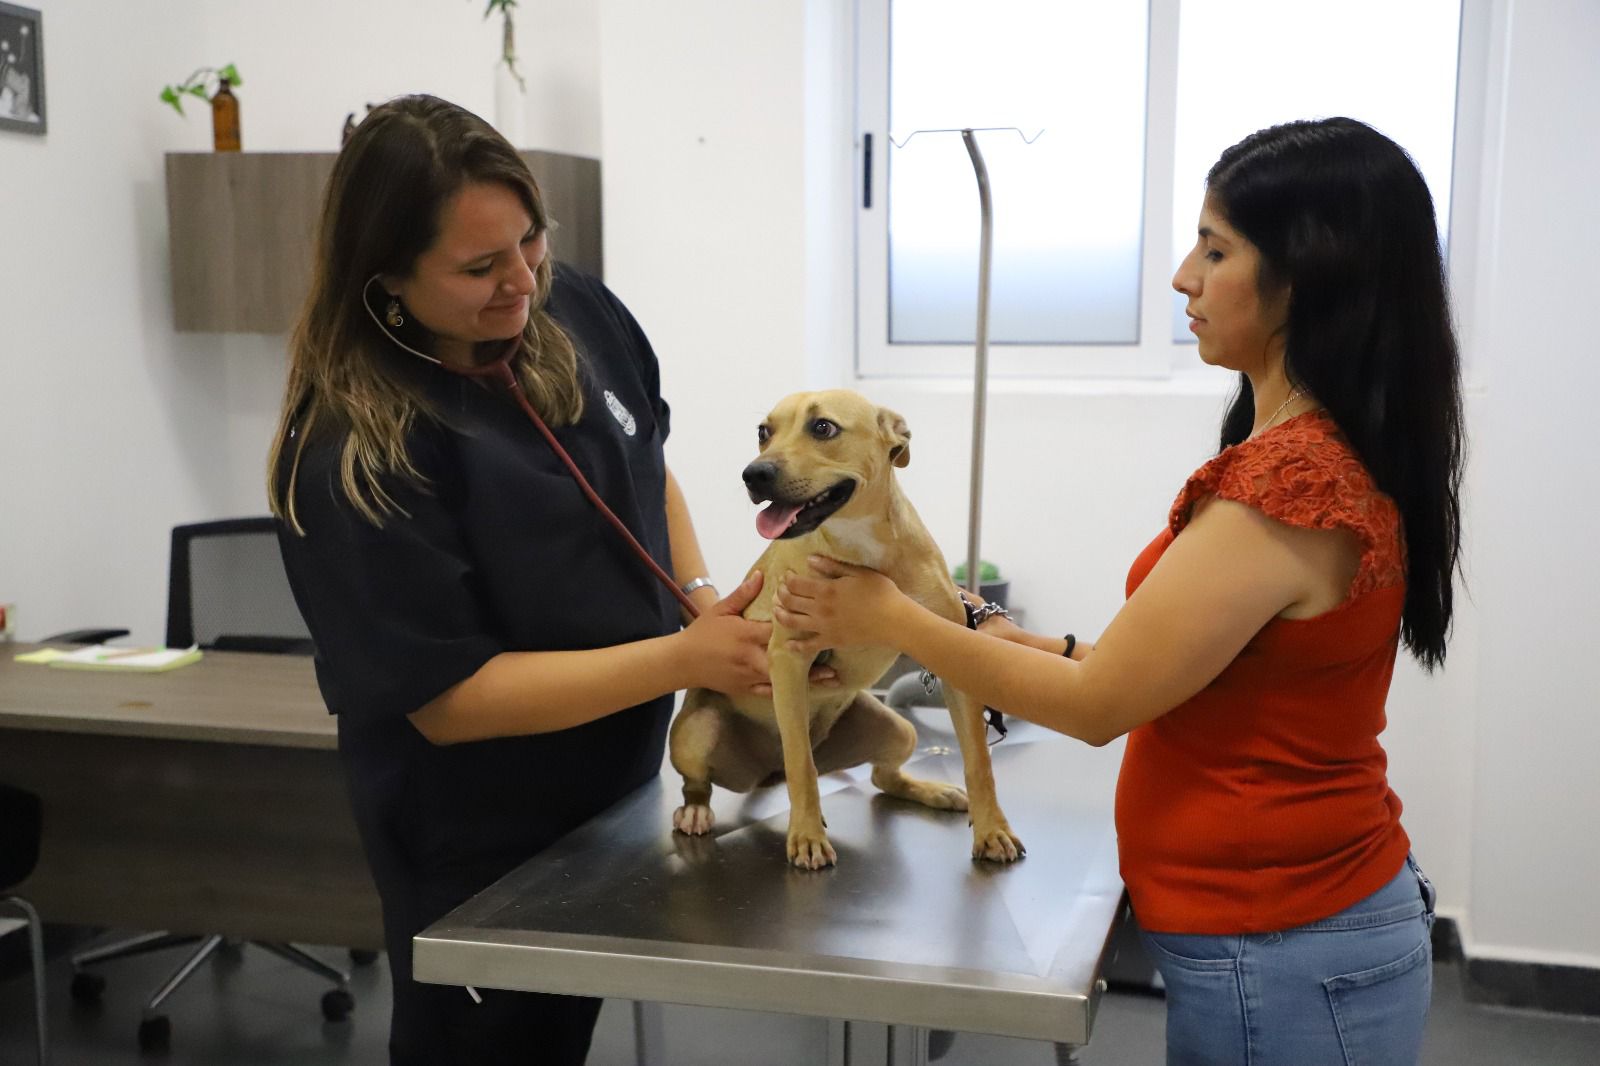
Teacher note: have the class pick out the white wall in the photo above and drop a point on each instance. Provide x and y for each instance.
(720, 238)
(1535, 802)
(560, 43)
(114, 427)
(725, 133)
(704, 200)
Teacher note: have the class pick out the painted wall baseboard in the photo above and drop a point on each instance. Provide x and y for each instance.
(1446, 939)
(1528, 985)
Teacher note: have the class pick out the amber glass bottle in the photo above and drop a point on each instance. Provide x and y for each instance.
(225, 118)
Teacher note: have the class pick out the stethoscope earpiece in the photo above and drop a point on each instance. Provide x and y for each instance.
(384, 329)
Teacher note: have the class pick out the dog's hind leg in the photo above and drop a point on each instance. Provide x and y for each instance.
(868, 731)
(712, 744)
(694, 737)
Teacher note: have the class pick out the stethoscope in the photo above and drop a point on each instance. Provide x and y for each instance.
(499, 370)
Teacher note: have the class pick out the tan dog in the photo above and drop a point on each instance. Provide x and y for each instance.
(827, 466)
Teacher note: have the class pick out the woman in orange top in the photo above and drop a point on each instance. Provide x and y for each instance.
(1259, 839)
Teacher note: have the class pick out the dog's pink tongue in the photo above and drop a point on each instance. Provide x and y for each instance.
(775, 518)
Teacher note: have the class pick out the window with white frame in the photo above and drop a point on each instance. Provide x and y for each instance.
(1122, 107)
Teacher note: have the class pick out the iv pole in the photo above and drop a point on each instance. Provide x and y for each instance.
(980, 379)
(980, 372)
(1066, 1054)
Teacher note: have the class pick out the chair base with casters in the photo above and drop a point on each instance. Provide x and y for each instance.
(226, 591)
(155, 1028)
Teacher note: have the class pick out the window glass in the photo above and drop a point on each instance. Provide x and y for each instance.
(1247, 64)
(1067, 207)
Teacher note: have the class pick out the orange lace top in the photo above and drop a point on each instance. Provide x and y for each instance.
(1262, 802)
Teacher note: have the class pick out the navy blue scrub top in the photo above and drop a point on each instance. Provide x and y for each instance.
(500, 552)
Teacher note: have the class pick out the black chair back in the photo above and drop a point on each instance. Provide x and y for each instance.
(227, 589)
(20, 821)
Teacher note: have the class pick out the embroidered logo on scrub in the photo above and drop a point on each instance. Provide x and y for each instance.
(621, 414)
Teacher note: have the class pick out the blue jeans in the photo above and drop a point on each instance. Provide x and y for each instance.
(1350, 990)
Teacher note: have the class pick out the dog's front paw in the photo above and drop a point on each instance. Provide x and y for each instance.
(997, 843)
(809, 848)
(695, 819)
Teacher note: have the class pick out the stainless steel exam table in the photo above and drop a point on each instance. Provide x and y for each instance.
(907, 932)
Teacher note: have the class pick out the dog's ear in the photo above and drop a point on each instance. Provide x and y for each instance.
(893, 428)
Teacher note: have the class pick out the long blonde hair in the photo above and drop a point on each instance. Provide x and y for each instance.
(381, 211)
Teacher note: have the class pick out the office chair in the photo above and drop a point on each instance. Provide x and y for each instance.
(226, 591)
(20, 823)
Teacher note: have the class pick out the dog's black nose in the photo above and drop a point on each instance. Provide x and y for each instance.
(760, 477)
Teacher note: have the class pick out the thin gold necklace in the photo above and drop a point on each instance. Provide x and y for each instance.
(1294, 394)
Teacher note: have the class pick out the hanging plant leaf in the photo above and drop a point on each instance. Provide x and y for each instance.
(196, 83)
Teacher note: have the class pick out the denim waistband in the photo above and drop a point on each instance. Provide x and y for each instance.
(1407, 895)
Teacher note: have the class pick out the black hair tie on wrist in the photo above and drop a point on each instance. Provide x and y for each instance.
(1072, 642)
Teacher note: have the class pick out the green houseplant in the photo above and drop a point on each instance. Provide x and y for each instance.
(203, 83)
(510, 89)
(508, 39)
(991, 586)
(213, 85)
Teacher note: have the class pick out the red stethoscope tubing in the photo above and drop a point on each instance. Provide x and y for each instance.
(500, 370)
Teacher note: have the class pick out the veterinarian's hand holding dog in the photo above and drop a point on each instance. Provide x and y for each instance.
(843, 606)
(732, 650)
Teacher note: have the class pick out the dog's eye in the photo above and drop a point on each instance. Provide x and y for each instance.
(763, 434)
(822, 429)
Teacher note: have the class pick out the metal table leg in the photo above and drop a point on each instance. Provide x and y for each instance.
(874, 1044)
(838, 1042)
(648, 1038)
(864, 1044)
(907, 1046)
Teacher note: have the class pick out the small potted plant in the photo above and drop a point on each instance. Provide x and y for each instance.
(509, 86)
(991, 586)
(508, 38)
(214, 86)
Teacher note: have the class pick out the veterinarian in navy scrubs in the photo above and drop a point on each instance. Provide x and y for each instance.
(501, 664)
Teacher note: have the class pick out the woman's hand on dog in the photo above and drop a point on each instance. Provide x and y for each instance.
(731, 650)
(842, 606)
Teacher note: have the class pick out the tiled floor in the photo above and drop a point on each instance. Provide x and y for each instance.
(256, 1010)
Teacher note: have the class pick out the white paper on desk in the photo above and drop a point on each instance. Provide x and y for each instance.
(110, 657)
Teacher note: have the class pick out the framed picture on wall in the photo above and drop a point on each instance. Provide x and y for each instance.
(21, 69)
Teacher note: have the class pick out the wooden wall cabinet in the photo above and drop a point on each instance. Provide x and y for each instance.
(242, 226)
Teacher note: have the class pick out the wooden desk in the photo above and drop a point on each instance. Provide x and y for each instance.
(204, 800)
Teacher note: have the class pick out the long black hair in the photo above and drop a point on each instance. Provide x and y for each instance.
(1342, 216)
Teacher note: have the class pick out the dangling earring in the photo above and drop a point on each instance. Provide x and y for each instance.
(392, 313)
